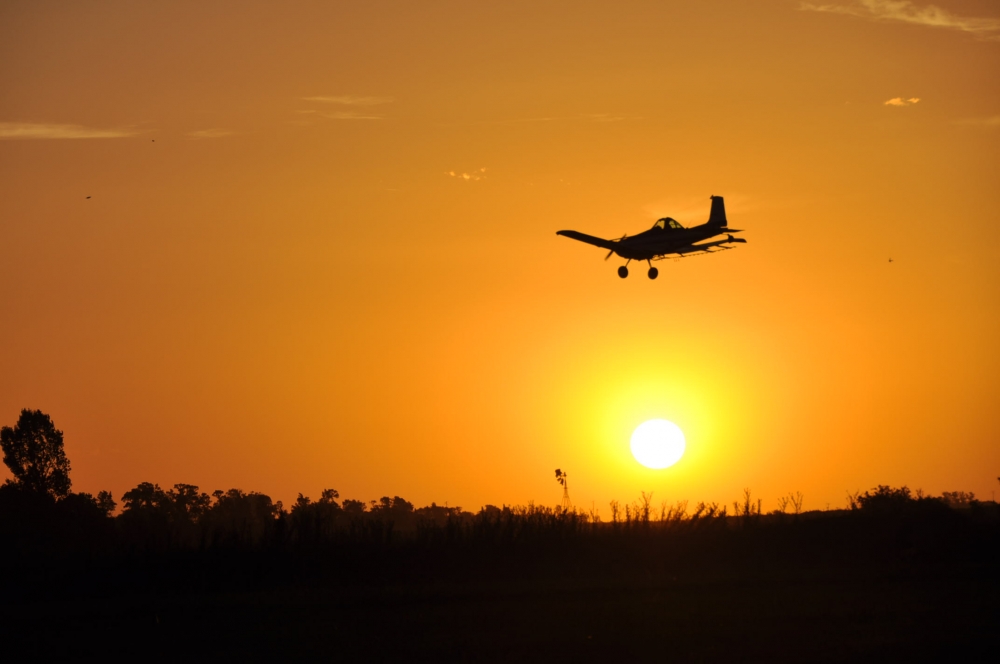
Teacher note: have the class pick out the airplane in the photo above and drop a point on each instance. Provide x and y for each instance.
(666, 238)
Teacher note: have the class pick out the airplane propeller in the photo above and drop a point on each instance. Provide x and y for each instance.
(613, 251)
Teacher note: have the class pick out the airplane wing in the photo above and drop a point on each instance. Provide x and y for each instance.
(708, 247)
(589, 239)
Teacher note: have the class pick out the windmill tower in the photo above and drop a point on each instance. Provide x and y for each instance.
(561, 478)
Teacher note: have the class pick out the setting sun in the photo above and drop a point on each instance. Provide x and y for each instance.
(657, 444)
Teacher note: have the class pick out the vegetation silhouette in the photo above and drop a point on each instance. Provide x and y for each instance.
(254, 579)
(33, 451)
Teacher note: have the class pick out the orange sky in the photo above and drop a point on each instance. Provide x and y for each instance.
(283, 282)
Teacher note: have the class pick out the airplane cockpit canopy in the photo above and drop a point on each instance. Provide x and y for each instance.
(666, 223)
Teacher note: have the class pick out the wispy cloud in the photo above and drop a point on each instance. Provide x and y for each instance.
(351, 100)
(25, 130)
(907, 12)
(348, 100)
(608, 117)
(899, 101)
(210, 133)
(474, 176)
(587, 117)
(992, 121)
(348, 115)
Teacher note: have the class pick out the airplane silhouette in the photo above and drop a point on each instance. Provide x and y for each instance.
(666, 238)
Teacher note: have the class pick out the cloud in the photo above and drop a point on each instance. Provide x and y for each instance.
(351, 100)
(348, 115)
(210, 133)
(467, 177)
(607, 117)
(24, 130)
(992, 121)
(907, 12)
(587, 117)
(899, 101)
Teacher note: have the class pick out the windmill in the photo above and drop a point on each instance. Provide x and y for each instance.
(561, 478)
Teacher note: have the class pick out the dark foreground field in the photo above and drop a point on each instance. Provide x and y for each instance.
(918, 584)
(917, 614)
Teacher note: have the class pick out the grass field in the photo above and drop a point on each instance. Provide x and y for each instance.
(827, 587)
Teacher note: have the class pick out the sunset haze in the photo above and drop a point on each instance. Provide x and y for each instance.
(291, 246)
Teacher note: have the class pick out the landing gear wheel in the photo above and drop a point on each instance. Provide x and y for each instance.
(623, 272)
(653, 273)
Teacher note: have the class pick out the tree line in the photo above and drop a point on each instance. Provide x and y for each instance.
(39, 494)
(38, 509)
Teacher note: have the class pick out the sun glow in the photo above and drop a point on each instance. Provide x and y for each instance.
(657, 444)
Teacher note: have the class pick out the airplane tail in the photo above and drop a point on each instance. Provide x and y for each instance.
(717, 217)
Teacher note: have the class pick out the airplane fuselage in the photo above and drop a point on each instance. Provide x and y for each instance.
(662, 241)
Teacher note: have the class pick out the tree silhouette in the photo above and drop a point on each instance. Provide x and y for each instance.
(105, 502)
(238, 518)
(885, 499)
(33, 450)
(188, 503)
(146, 496)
